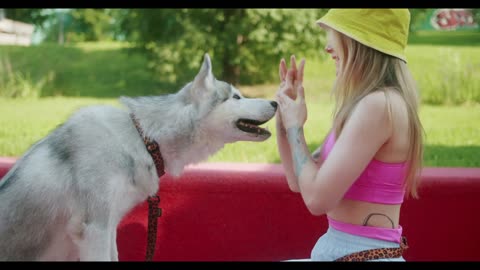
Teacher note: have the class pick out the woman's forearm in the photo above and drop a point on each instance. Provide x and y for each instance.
(286, 157)
(304, 165)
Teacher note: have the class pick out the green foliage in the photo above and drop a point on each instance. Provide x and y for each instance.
(27, 15)
(242, 42)
(108, 70)
(446, 66)
(417, 16)
(80, 25)
(17, 84)
(90, 25)
(452, 38)
(85, 69)
(446, 74)
(476, 14)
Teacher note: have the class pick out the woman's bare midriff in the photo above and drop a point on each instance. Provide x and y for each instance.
(355, 212)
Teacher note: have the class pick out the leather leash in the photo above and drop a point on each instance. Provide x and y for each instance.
(154, 212)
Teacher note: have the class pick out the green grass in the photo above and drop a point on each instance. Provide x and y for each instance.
(97, 73)
(452, 132)
(452, 136)
(100, 70)
(447, 72)
(25, 121)
(450, 38)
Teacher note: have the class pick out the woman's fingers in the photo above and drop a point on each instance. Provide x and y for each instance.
(297, 72)
(290, 76)
(301, 67)
(282, 70)
(301, 93)
(293, 65)
(281, 100)
(289, 88)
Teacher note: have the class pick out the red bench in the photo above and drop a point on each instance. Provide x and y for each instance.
(245, 212)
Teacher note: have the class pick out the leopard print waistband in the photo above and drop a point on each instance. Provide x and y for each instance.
(375, 254)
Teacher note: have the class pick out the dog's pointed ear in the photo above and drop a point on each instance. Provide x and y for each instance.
(205, 76)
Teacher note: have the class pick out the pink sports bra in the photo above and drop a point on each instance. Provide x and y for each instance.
(380, 182)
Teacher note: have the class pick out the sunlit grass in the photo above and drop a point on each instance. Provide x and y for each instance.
(98, 73)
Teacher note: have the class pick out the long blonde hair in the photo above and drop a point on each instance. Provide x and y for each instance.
(364, 70)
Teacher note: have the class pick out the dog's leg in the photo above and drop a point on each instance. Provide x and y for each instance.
(113, 245)
(95, 245)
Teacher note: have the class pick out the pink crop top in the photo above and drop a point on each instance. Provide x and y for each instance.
(380, 182)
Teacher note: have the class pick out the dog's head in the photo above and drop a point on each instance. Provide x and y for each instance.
(223, 111)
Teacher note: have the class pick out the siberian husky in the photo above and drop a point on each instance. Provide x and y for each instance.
(64, 198)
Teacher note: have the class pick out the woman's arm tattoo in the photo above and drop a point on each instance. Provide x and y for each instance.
(298, 150)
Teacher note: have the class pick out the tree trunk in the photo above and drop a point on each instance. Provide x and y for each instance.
(60, 32)
(231, 72)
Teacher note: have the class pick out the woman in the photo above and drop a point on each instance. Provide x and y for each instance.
(372, 157)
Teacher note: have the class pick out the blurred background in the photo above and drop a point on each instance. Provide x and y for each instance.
(53, 61)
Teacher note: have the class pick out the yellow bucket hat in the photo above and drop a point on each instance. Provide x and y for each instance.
(385, 30)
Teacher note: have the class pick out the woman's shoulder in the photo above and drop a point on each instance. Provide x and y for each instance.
(377, 101)
(373, 103)
(373, 111)
(386, 108)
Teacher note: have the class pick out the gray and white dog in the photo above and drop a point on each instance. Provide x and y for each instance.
(64, 198)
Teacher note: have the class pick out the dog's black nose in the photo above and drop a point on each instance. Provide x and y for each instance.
(274, 104)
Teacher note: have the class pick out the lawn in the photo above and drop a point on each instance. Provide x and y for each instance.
(100, 70)
(448, 76)
(452, 132)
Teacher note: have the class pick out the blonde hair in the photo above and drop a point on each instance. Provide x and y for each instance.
(364, 70)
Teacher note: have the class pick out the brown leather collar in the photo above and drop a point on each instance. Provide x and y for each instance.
(152, 148)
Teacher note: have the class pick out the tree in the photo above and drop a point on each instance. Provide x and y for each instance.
(78, 25)
(476, 15)
(417, 16)
(91, 25)
(28, 15)
(246, 43)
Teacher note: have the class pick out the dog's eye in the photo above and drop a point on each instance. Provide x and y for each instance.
(236, 96)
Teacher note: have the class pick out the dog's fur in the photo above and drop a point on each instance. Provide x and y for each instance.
(64, 198)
